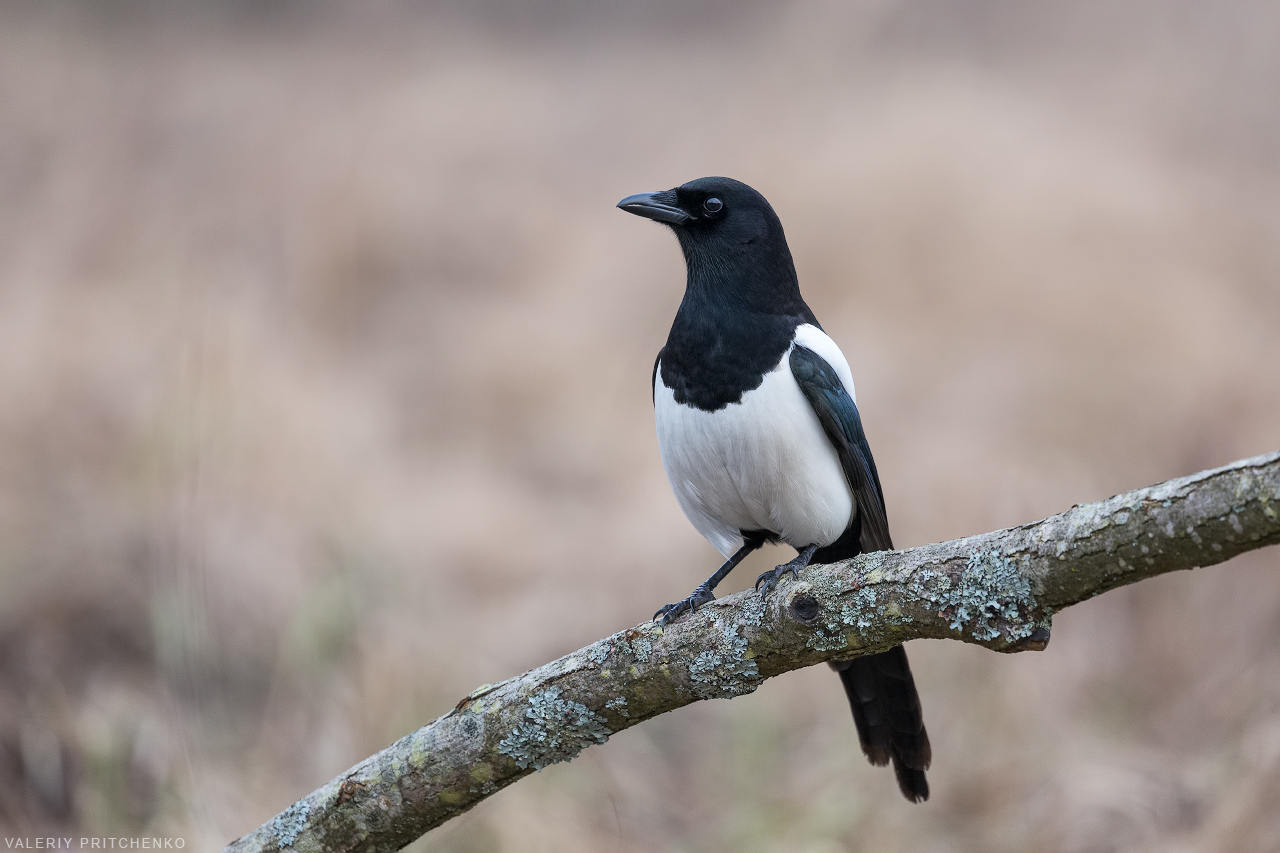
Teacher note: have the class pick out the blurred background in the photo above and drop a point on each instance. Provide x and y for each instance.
(324, 363)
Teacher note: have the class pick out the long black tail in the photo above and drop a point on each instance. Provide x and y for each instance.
(886, 709)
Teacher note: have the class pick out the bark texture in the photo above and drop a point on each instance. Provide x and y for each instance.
(997, 590)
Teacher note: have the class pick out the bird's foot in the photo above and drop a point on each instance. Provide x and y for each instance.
(769, 579)
(672, 612)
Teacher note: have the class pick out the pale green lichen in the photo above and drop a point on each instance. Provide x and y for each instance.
(991, 587)
(554, 730)
(752, 611)
(726, 669)
(641, 647)
(827, 638)
(288, 825)
(862, 608)
(422, 744)
(619, 704)
(831, 634)
(637, 642)
(634, 642)
(860, 612)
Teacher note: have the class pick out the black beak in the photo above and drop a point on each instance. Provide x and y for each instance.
(659, 206)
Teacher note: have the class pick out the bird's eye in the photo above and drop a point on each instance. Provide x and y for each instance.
(713, 205)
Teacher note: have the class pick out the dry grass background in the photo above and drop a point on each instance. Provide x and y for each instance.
(323, 398)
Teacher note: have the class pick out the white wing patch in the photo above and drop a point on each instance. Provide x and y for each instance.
(760, 464)
(812, 338)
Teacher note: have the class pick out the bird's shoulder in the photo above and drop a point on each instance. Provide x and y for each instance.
(811, 337)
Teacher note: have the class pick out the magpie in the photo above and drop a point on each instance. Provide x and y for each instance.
(761, 438)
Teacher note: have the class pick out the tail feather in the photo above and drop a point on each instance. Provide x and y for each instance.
(886, 710)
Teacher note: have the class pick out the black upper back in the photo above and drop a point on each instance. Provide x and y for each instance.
(742, 299)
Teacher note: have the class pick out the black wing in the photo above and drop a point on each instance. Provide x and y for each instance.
(840, 421)
(881, 691)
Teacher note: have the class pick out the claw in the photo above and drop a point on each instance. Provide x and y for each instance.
(792, 568)
(770, 578)
(671, 612)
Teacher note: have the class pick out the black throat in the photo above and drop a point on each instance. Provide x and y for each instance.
(740, 311)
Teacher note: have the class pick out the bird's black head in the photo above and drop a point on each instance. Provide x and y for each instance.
(732, 241)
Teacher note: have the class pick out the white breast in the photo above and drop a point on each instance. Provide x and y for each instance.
(761, 464)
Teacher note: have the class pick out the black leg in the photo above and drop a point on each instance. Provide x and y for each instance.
(770, 578)
(702, 594)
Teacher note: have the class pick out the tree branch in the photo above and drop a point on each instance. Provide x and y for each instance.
(997, 590)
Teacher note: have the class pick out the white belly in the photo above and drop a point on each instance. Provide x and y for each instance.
(761, 464)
